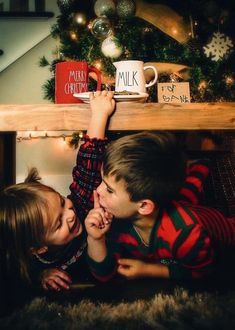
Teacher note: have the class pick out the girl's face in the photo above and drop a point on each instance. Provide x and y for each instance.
(62, 224)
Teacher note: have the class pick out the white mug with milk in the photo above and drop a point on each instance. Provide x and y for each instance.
(130, 76)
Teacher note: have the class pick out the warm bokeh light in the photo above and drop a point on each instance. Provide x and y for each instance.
(229, 80)
(73, 35)
(202, 85)
(80, 18)
(97, 64)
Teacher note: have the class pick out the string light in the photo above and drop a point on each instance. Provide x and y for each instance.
(89, 26)
(80, 18)
(97, 64)
(73, 35)
(36, 135)
(175, 77)
(229, 80)
(202, 85)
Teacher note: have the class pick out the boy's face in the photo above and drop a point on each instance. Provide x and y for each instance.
(62, 224)
(114, 198)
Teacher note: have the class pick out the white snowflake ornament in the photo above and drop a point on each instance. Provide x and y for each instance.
(219, 46)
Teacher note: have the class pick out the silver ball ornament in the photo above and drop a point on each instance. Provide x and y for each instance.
(101, 27)
(104, 7)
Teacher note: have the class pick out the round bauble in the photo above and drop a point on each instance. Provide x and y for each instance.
(126, 8)
(104, 7)
(63, 4)
(101, 27)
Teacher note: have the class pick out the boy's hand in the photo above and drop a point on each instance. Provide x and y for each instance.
(98, 220)
(131, 268)
(55, 279)
(102, 103)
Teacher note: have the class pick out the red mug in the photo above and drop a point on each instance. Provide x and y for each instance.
(72, 77)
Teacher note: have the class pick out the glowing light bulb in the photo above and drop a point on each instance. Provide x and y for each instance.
(80, 19)
(202, 85)
(98, 64)
(229, 80)
(73, 35)
(89, 25)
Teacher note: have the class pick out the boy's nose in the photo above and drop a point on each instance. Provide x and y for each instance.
(70, 220)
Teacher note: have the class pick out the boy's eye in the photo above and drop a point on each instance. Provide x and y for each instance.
(59, 224)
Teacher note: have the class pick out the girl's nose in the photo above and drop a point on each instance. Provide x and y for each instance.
(99, 189)
(70, 203)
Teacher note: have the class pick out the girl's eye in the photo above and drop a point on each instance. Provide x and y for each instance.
(62, 201)
(109, 190)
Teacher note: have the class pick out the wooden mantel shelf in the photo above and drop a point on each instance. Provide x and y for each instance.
(128, 116)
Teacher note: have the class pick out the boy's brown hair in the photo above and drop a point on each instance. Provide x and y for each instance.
(152, 165)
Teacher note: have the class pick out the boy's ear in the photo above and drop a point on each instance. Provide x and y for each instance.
(146, 207)
(40, 250)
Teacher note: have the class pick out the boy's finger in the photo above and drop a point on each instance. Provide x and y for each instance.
(96, 199)
(124, 262)
(108, 215)
(122, 270)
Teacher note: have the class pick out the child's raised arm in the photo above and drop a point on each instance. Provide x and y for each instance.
(86, 173)
(102, 106)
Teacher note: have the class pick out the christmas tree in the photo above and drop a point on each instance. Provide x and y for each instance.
(187, 40)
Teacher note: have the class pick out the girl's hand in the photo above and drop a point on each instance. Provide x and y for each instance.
(55, 279)
(98, 221)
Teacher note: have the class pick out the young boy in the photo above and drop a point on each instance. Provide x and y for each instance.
(41, 232)
(154, 233)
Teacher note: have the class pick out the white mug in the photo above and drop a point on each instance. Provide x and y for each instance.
(130, 76)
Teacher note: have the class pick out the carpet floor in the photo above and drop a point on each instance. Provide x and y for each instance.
(131, 305)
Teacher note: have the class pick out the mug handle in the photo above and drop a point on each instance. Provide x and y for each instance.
(98, 73)
(156, 75)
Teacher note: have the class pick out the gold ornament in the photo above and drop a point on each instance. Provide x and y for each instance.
(165, 19)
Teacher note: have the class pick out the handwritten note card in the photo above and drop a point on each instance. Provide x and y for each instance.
(177, 92)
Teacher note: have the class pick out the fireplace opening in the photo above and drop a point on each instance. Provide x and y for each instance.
(7, 158)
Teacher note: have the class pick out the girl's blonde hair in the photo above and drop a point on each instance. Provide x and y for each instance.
(22, 210)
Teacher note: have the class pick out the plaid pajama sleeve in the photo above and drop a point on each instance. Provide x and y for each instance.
(86, 175)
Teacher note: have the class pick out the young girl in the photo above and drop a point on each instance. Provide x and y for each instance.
(41, 232)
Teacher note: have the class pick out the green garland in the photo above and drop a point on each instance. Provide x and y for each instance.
(144, 42)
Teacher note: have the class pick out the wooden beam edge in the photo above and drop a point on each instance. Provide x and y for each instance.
(128, 116)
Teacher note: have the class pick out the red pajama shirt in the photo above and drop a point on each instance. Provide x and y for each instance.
(185, 236)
